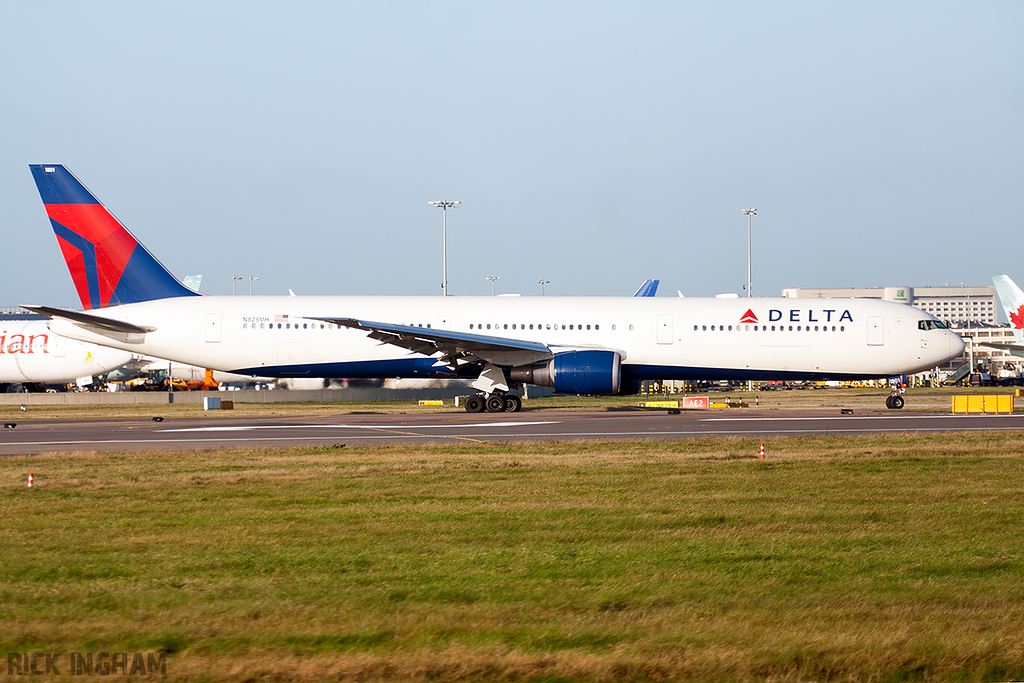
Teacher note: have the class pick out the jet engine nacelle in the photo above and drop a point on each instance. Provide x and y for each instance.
(574, 372)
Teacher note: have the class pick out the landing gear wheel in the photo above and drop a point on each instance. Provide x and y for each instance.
(513, 404)
(894, 402)
(475, 404)
(495, 403)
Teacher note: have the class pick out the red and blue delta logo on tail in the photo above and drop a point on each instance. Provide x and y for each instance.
(107, 264)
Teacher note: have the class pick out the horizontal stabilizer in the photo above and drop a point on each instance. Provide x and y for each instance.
(88, 320)
(1012, 349)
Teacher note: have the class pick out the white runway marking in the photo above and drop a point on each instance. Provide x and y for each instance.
(846, 418)
(391, 427)
(558, 436)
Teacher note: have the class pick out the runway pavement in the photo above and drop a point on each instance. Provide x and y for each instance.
(42, 436)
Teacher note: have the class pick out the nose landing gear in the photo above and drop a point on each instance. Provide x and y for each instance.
(895, 400)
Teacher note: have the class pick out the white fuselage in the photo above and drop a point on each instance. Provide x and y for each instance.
(30, 352)
(658, 338)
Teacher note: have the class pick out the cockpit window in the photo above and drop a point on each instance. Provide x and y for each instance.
(930, 325)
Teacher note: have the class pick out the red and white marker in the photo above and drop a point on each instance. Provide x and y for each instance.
(762, 450)
(30, 480)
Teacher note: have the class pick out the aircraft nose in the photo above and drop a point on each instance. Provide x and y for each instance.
(956, 345)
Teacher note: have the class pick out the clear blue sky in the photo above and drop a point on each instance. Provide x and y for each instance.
(593, 144)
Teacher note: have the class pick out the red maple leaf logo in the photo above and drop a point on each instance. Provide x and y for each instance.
(1017, 318)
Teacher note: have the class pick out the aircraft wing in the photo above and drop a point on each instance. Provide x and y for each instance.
(458, 348)
(96, 323)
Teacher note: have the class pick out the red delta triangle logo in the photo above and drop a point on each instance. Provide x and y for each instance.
(748, 317)
(1017, 318)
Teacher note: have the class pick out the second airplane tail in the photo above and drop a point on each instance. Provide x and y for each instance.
(648, 288)
(108, 265)
(1012, 299)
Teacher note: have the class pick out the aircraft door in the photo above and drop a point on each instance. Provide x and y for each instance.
(876, 334)
(665, 329)
(213, 324)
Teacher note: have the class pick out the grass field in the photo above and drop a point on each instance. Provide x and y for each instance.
(866, 559)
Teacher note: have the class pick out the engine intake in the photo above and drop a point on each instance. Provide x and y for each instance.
(574, 372)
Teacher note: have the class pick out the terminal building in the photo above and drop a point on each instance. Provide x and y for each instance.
(956, 305)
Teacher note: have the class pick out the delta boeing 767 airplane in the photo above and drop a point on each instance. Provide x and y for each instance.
(579, 345)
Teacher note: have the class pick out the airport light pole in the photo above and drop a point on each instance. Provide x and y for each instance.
(444, 205)
(233, 278)
(492, 278)
(542, 283)
(748, 213)
(251, 278)
(968, 305)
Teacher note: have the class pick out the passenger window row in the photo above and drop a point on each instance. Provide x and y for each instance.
(472, 326)
(523, 326)
(772, 328)
(289, 326)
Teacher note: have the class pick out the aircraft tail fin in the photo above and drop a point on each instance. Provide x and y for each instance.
(1012, 299)
(648, 288)
(107, 264)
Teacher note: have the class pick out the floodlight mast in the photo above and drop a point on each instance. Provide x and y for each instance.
(444, 205)
(748, 213)
(492, 278)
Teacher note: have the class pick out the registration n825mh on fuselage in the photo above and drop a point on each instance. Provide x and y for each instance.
(584, 345)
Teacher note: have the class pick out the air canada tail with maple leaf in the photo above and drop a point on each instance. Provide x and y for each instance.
(1012, 299)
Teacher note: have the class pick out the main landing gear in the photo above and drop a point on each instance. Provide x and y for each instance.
(498, 402)
(494, 397)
